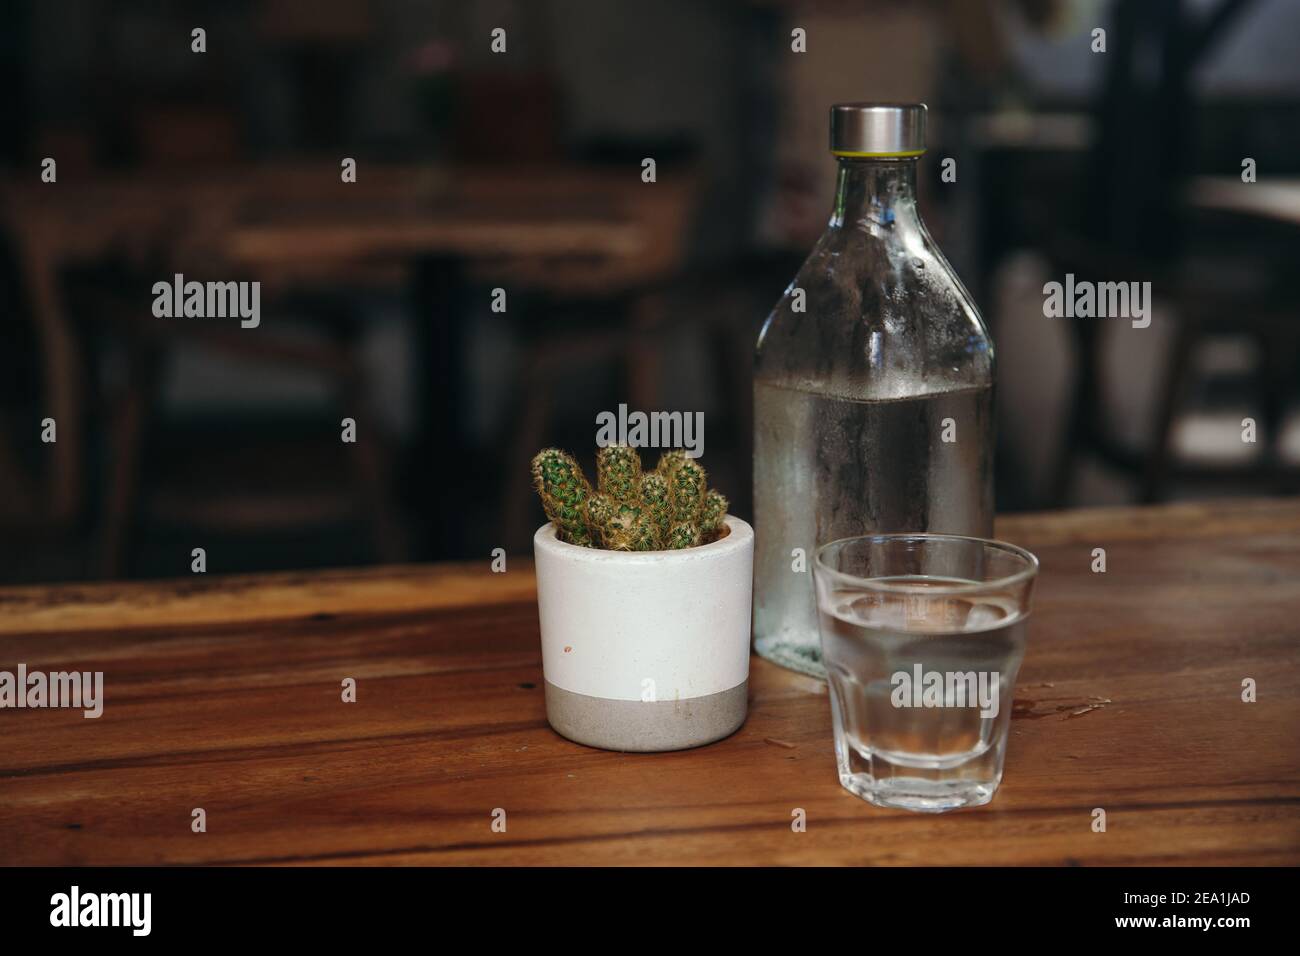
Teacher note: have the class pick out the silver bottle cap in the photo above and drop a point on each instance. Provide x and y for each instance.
(885, 130)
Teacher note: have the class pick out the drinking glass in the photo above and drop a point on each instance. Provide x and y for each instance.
(922, 636)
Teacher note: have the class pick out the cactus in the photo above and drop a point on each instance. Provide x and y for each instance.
(669, 461)
(600, 515)
(654, 496)
(686, 490)
(712, 512)
(564, 491)
(668, 508)
(623, 527)
(684, 534)
(638, 534)
(618, 472)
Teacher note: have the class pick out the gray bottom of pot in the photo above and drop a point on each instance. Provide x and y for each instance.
(646, 727)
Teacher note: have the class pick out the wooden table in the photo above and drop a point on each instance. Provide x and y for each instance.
(321, 240)
(224, 693)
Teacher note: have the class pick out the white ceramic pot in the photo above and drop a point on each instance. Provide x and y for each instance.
(646, 650)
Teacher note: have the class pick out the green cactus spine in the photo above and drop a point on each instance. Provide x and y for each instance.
(668, 508)
(669, 461)
(564, 491)
(684, 534)
(600, 515)
(654, 497)
(712, 513)
(638, 534)
(686, 490)
(618, 472)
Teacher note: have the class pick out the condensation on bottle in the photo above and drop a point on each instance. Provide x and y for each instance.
(873, 401)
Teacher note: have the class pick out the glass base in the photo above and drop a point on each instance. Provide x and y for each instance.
(914, 793)
(792, 655)
(919, 782)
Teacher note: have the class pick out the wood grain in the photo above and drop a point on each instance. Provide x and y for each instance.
(224, 693)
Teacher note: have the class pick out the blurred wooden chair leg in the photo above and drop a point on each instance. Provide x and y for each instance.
(19, 503)
(126, 433)
(1156, 473)
(1084, 394)
(371, 464)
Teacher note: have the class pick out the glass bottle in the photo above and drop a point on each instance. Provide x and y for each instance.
(873, 385)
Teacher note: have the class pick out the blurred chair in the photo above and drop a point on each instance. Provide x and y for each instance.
(1138, 225)
(322, 44)
(1204, 305)
(20, 407)
(281, 485)
(1270, 316)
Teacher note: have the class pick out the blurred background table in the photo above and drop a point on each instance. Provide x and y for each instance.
(1275, 199)
(523, 172)
(224, 693)
(564, 231)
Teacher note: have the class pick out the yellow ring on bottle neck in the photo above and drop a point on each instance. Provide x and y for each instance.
(905, 154)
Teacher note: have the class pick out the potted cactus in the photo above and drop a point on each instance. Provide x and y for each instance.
(643, 592)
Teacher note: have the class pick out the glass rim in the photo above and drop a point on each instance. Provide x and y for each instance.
(880, 584)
